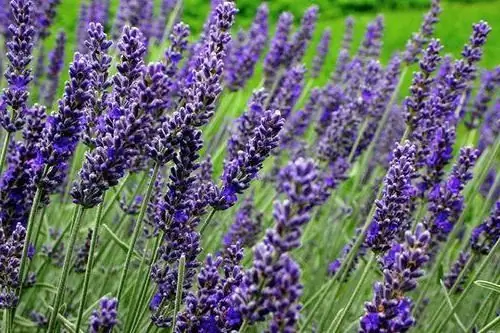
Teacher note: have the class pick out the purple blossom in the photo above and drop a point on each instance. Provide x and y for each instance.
(321, 53)
(18, 74)
(485, 235)
(99, 11)
(490, 81)
(289, 91)
(56, 64)
(344, 56)
(242, 169)
(417, 41)
(458, 266)
(372, 42)
(245, 51)
(105, 318)
(166, 8)
(246, 226)
(11, 248)
(491, 127)
(393, 211)
(390, 310)
(275, 57)
(82, 254)
(297, 45)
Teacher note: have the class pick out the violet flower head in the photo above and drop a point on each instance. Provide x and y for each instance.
(56, 64)
(297, 46)
(491, 127)
(178, 45)
(99, 11)
(372, 42)
(446, 200)
(242, 169)
(344, 54)
(11, 249)
(166, 8)
(485, 235)
(393, 213)
(83, 22)
(289, 91)
(105, 318)
(35, 123)
(64, 127)
(45, 18)
(246, 226)
(18, 74)
(416, 43)
(490, 81)
(82, 254)
(458, 266)
(321, 53)
(276, 54)
(348, 33)
(389, 310)
(472, 51)
(245, 51)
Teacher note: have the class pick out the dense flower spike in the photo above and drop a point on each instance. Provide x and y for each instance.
(487, 234)
(11, 248)
(289, 91)
(372, 42)
(393, 213)
(390, 310)
(64, 127)
(458, 266)
(18, 74)
(105, 318)
(296, 47)
(417, 41)
(245, 51)
(337, 75)
(246, 226)
(490, 82)
(166, 8)
(56, 64)
(276, 55)
(243, 168)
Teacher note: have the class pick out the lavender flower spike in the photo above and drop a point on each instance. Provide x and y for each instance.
(485, 235)
(56, 64)
(246, 227)
(372, 43)
(104, 319)
(297, 46)
(11, 249)
(393, 212)
(276, 55)
(321, 53)
(18, 74)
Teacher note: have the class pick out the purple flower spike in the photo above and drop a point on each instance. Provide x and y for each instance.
(105, 318)
(18, 74)
(246, 227)
(11, 249)
(297, 46)
(489, 83)
(390, 311)
(372, 43)
(242, 169)
(393, 213)
(276, 55)
(485, 235)
(416, 43)
(289, 91)
(245, 51)
(344, 54)
(321, 53)
(56, 64)
(456, 269)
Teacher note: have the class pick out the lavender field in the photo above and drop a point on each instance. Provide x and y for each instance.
(172, 168)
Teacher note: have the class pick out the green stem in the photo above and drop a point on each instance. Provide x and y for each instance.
(90, 264)
(75, 227)
(29, 232)
(492, 324)
(464, 292)
(39, 227)
(3, 152)
(207, 221)
(145, 283)
(178, 294)
(137, 229)
(355, 293)
(244, 326)
(481, 308)
(115, 196)
(358, 140)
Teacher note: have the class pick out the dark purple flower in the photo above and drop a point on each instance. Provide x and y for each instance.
(393, 213)
(298, 43)
(18, 74)
(344, 56)
(99, 11)
(56, 64)
(485, 235)
(39, 319)
(246, 226)
(372, 42)
(288, 91)
(243, 168)
(390, 311)
(11, 249)
(82, 254)
(458, 266)
(106, 317)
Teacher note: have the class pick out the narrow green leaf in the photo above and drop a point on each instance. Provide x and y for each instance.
(450, 303)
(119, 242)
(488, 285)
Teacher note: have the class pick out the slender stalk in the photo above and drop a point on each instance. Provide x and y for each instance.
(115, 196)
(144, 287)
(178, 294)
(75, 227)
(464, 271)
(3, 152)
(90, 264)
(476, 274)
(207, 221)
(29, 232)
(492, 324)
(354, 293)
(481, 308)
(358, 140)
(244, 326)
(137, 229)
(39, 227)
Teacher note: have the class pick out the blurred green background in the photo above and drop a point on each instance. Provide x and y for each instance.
(402, 17)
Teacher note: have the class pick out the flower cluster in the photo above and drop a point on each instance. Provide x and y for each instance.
(106, 317)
